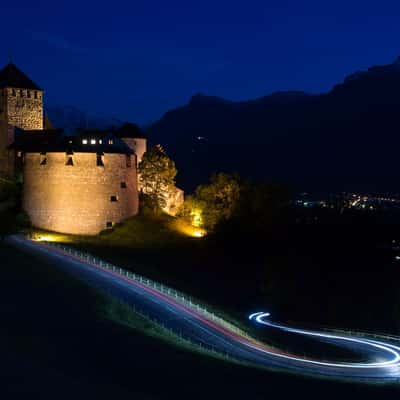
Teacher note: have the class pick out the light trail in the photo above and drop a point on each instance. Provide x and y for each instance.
(394, 351)
(198, 326)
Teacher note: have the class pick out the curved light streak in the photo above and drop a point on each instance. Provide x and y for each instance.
(394, 351)
(233, 342)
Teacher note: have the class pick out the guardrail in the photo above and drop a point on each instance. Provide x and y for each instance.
(190, 303)
(178, 296)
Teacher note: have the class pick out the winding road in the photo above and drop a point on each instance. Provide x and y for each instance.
(383, 354)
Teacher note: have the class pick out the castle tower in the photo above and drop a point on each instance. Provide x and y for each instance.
(132, 135)
(21, 106)
(80, 184)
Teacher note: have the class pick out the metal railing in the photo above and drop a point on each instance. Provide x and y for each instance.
(193, 305)
(174, 294)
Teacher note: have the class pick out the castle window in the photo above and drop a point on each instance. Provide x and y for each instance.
(100, 161)
(35, 95)
(69, 162)
(21, 93)
(100, 141)
(84, 141)
(43, 159)
(109, 224)
(13, 92)
(93, 141)
(123, 185)
(111, 141)
(128, 161)
(114, 199)
(28, 93)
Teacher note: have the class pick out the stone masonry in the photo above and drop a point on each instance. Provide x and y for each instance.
(82, 198)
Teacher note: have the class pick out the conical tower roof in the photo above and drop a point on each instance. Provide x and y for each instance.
(11, 76)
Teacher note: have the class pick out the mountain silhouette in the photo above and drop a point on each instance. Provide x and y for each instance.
(343, 140)
(70, 118)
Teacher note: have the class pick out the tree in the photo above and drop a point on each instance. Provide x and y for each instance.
(218, 199)
(261, 209)
(157, 176)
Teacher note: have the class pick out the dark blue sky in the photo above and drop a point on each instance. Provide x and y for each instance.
(137, 59)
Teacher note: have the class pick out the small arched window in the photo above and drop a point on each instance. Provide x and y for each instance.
(21, 93)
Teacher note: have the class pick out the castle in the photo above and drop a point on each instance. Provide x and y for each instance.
(82, 183)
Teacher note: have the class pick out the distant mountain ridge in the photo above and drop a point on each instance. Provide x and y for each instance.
(69, 118)
(345, 139)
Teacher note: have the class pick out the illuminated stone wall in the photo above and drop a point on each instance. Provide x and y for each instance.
(175, 199)
(138, 145)
(77, 199)
(20, 108)
(4, 163)
(24, 108)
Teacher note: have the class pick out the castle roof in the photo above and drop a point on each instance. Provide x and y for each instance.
(129, 130)
(54, 140)
(11, 76)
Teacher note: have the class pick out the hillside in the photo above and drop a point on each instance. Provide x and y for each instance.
(313, 142)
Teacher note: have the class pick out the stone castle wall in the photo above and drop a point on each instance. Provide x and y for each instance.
(24, 108)
(3, 135)
(138, 145)
(77, 199)
(20, 108)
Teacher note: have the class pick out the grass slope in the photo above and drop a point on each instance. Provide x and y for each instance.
(57, 341)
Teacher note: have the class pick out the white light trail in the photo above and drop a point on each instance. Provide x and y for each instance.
(390, 349)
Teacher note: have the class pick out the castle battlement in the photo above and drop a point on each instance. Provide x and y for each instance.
(82, 183)
(82, 197)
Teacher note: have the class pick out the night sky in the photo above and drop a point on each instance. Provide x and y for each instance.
(134, 60)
